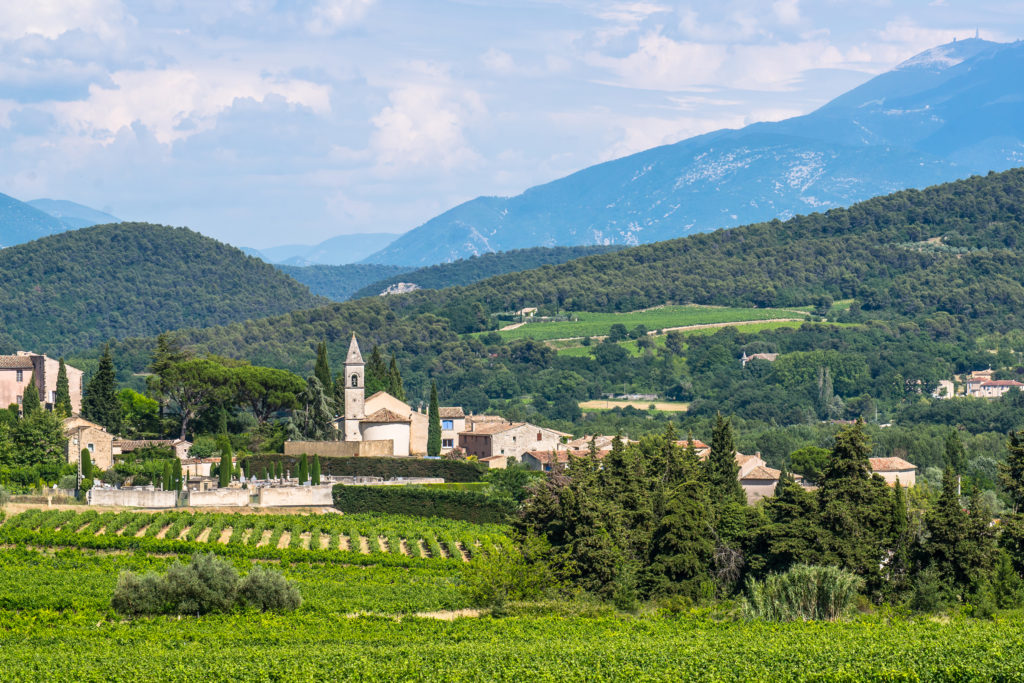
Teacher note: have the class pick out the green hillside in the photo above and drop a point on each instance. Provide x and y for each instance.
(339, 283)
(77, 289)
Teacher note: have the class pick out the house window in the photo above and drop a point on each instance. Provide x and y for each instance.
(53, 397)
(91, 447)
(19, 376)
(355, 380)
(447, 443)
(513, 439)
(447, 424)
(19, 400)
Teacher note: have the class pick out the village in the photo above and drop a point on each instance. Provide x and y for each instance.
(375, 426)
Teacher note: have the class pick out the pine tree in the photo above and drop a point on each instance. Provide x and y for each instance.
(395, 387)
(100, 403)
(316, 470)
(722, 470)
(62, 399)
(376, 373)
(303, 469)
(793, 535)
(30, 398)
(681, 547)
(1011, 473)
(176, 477)
(947, 532)
(322, 370)
(433, 424)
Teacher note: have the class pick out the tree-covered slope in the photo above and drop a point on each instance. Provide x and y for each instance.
(947, 259)
(476, 268)
(339, 283)
(80, 288)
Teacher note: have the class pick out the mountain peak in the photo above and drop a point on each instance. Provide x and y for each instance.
(946, 56)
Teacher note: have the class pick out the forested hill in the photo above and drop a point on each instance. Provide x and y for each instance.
(80, 288)
(339, 283)
(947, 259)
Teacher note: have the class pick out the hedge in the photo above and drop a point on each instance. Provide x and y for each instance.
(388, 468)
(423, 501)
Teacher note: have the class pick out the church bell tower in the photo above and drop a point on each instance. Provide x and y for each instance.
(355, 391)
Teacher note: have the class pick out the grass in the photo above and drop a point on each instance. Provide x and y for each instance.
(663, 406)
(589, 324)
(566, 347)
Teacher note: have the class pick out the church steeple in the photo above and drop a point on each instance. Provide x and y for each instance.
(355, 391)
(354, 357)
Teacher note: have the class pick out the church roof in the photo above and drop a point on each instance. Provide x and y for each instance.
(354, 357)
(384, 415)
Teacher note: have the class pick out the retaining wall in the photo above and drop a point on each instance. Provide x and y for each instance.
(136, 498)
(284, 496)
(219, 498)
(341, 449)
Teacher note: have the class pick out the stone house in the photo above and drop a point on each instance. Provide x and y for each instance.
(453, 421)
(512, 440)
(16, 371)
(180, 447)
(893, 470)
(992, 388)
(82, 434)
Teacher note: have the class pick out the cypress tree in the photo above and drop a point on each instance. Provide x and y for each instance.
(1011, 473)
(721, 467)
(433, 424)
(176, 476)
(947, 533)
(681, 548)
(316, 470)
(167, 480)
(30, 398)
(376, 373)
(395, 387)
(100, 403)
(224, 471)
(793, 535)
(62, 399)
(303, 469)
(322, 371)
(86, 458)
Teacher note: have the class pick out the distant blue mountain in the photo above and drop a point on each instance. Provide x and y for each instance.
(336, 251)
(26, 221)
(72, 214)
(949, 112)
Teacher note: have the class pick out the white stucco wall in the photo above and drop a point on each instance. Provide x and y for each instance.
(396, 432)
(219, 498)
(284, 496)
(138, 498)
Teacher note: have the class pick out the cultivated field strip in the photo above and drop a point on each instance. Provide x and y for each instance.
(355, 539)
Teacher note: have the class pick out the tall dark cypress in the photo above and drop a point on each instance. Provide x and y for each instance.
(395, 387)
(721, 467)
(30, 398)
(315, 477)
(62, 399)
(176, 477)
(433, 424)
(376, 373)
(100, 403)
(323, 369)
(303, 469)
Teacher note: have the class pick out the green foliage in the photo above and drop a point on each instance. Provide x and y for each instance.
(387, 468)
(1011, 472)
(512, 482)
(339, 283)
(266, 391)
(804, 593)
(376, 372)
(36, 440)
(313, 419)
(192, 384)
(433, 424)
(224, 471)
(303, 473)
(268, 591)
(62, 397)
(315, 474)
(100, 402)
(30, 404)
(395, 386)
(140, 414)
(810, 462)
(721, 468)
(322, 369)
(87, 472)
(422, 501)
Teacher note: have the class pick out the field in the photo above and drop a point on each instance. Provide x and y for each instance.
(398, 622)
(666, 406)
(660, 318)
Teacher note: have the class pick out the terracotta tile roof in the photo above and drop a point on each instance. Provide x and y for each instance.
(70, 423)
(15, 362)
(763, 473)
(890, 464)
(385, 415)
(490, 458)
(451, 412)
(136, 444)
(492, 428)
(1002, 383)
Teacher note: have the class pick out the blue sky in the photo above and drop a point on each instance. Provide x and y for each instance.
(263, 123)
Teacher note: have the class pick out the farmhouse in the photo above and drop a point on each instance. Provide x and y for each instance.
(82, 434)
(180, 447)
(18, 370)
(509, 439)
(894, 470)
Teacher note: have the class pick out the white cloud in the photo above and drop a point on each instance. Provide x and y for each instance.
(787, 11)
(176, 103)
(330, 16)
(424, 124)
(51, 18)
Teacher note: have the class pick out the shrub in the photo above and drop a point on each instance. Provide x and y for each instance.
(804, 593)
(494, 581)
(422, 501)
(5, 497)
(388, 468)
(204, 585)
(266, 590)
(931, 593)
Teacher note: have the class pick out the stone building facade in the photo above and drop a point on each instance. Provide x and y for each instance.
(18, 370)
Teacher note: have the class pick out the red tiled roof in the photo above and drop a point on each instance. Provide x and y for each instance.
(763, 473)
(453, 412)
(136, 444)
(384, 415)
(1002, 383)
(15, 362)
(890, 464)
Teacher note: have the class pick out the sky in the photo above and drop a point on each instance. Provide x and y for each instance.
(263, 123)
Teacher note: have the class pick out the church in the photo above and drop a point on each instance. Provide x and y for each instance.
(382, 417)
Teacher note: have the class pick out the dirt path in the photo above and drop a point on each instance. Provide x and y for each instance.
(513, 326)
(204, 535)
(423, 548)
(285, 540)
(364, 545)
(265, 538)
(383, 544)
(225, 535)
(343, 542)
(403, 547)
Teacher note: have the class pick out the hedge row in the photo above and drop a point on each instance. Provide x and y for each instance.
(423, 501)
(388, 468)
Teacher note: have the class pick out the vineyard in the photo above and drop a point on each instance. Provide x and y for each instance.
(351, 539)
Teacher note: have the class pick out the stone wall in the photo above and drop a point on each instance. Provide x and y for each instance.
(135, 498)
(285, 496)
(340, 449)
(219, 498)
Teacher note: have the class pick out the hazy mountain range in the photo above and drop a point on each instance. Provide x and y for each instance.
(334, 251)
(949, 112)
(26, 221)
